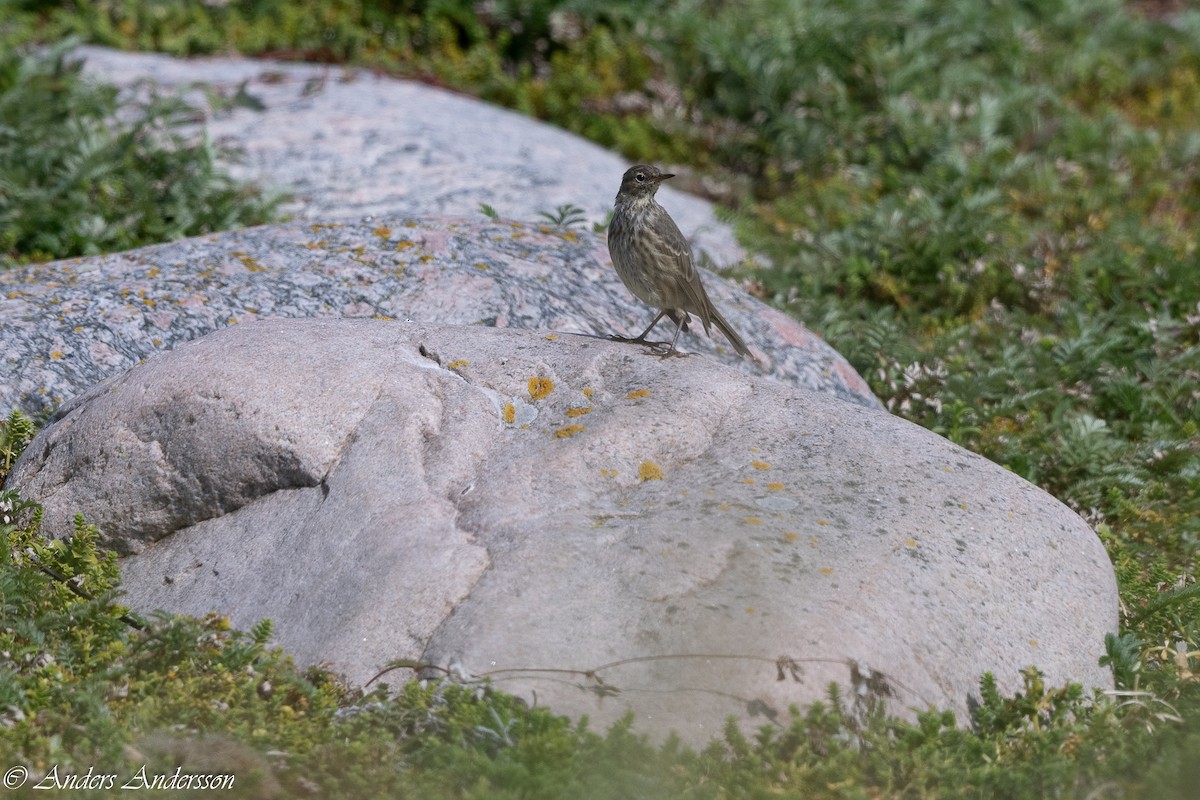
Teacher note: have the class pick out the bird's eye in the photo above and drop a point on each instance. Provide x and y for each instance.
(640, 177)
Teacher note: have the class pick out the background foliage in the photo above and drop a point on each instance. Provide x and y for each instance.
(76, 178)
(989, 208)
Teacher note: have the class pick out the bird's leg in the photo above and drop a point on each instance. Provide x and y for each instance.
(641, 337)
(680, 324)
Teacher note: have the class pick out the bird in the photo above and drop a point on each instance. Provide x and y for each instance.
(655, 262)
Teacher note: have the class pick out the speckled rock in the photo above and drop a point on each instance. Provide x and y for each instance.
(588, 526)
(67, 325)
(348, 143)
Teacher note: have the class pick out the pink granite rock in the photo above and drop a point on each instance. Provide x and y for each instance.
(587, 525)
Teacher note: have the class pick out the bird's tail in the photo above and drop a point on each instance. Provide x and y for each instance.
(730, 334)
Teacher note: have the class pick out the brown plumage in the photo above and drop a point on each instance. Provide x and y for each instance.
(655, 261)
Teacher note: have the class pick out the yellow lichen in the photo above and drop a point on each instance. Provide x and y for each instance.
(551, 337)
(540, 387)
(578, 411)
(458, 364)
(753, 521)
(403, 244)
(568, 431)
(383, 232)
(791, 537)
(760, 465)
(748, 480)
(588, 392)
(510, 413)
(649, 471)
(634, 395)
(56, 354)
(775, 487)
(823, 522)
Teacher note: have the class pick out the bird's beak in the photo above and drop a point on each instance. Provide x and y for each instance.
(666, 175)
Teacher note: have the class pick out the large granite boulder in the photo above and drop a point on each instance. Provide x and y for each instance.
(586, 524)
(67, 325)
(389, 178)
(349, 143)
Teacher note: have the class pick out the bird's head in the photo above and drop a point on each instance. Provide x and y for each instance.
(642, 181)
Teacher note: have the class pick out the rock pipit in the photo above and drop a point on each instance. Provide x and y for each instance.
(655, 261)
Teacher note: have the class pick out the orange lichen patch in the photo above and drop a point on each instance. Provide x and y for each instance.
(753, 521)
(578, 411)
(775, 487)
(749, 480)
(911, 543)
(551, 337)
(458, 364)
(823, 521)
(383, 232)
(608, 473)
(568, 431)
(152, 272)
(587, 392)
(791, 537)
(540, 387)
(249, 262)
(649, 471)
(635, 394)
(723, 506)
(509, 414)
(56, 354)
(404, 244)
(760, 465)
(827, 570)
(750, 609)
(481, 265)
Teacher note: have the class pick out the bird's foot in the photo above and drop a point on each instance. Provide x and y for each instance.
(612, 337)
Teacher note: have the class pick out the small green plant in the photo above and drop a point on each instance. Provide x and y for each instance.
(565, 216)
(16, 431)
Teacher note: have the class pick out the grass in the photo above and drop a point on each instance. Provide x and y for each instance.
(85, 684)
(988, 208)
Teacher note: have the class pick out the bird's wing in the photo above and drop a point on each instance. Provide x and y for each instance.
(672, 245)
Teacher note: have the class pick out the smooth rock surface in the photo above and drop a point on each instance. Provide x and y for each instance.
(67, 325)
(347, 143)
(591, 527)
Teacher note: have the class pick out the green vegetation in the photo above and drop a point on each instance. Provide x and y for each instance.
(83, 684)
(77, 180)
(989, 208)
